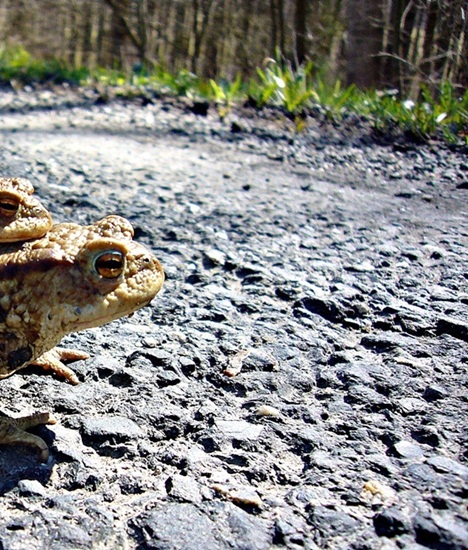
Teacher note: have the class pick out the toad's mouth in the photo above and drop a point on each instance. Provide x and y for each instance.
(83, 322)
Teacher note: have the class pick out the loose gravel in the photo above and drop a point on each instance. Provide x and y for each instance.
(301, 381)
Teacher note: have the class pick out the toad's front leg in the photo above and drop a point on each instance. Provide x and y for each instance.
(53, 361)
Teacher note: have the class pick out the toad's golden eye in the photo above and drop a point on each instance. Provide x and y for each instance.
(8, 206)
(110, 264)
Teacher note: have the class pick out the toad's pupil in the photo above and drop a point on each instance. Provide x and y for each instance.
(110, 264)
(8, 207)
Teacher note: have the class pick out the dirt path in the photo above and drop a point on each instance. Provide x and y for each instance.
(299, 383)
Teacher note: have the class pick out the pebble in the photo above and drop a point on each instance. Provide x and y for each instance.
(390, 523)
(435, 392)
(31, 487)
(120, 427)
(454, 327)
(267, 410)
(243, 496)
(216, 256)
(183, 488)
(445, 464)
(239, 429)
(177, 526)
(411, 405)
(376, 491)
(407, 449)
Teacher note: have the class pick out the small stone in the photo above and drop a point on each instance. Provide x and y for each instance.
(381, 464)
(239, 429)
(454, 327)
(442, 293)
(366, 396)
(454, 532)
(290, 529)
(236, 128)
(390, 523)
(332, 522)
(150, 342)
(178, 525)
(411, 405)
(330, 310)
(375, 491)
(434, 393)
(427, 435)
(199, 108)
(236, 363)
(445, 464)
(132, 484)
(216, 256)
(440, 531)
(80, 475)
(183, 488)
(119, 427)
(259, 360)
(159, 357)
(426, 531)
(421, 475)
(406, 449)
(244, 530)
(266, 410)
(68, 442)
(385, 342)
(243, 496)
(31, 487)
(165, 378)
(362, 267)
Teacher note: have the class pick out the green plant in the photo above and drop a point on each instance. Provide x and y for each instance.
(444, 112)
(185, 83)
(17, 65)
(260, 93)
(283, 86)
(335, 100)
(225, 93)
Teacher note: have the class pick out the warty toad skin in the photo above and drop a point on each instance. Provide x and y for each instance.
(74, 278)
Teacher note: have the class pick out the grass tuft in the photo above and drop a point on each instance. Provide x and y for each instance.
(19, 69)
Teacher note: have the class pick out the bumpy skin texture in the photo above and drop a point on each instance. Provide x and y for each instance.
(74, 278)
(22, 216)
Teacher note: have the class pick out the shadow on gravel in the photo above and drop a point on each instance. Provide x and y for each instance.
(20, 465)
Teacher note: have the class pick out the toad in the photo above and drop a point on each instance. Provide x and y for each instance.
(22, 216)
(74, 278)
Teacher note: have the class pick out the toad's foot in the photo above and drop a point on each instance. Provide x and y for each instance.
(12, 431)
(52, 361)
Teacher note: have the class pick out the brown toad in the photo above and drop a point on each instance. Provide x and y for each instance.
(74, 278)
(22, 216)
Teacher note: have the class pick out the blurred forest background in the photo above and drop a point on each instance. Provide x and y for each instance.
(371, 43)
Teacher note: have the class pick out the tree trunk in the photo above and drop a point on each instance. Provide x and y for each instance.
(123, 25)
(281, 26)
(300, 31)
(87, 37)
(117, 40)
(274, 25)
(101, 57)
(201, 17)
(364, 22)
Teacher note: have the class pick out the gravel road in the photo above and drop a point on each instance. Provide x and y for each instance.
(301, 380)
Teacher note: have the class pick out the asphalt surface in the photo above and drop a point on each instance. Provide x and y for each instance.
(301, 380)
